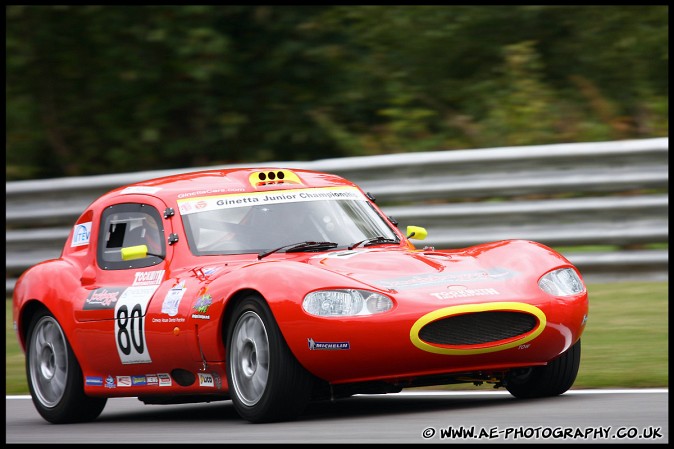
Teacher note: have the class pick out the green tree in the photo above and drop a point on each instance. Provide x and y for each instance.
(101, 89)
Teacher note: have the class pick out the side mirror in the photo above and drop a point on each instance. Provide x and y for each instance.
(416, 232)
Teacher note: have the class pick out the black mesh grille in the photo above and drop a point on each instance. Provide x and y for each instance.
(477, 328)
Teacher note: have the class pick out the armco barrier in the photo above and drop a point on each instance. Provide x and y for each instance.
(611, 195)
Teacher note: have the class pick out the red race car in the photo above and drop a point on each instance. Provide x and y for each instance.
(275, 287)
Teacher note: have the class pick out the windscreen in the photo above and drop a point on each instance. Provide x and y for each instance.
(260, 221)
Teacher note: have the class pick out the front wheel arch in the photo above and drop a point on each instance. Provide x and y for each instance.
(552, 379)
(266, 382)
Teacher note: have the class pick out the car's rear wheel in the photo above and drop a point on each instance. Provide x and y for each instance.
(54, 375)
(551, 380)
(266, 382)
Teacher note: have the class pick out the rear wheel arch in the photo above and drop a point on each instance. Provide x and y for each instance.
(54, 375)
(26, 317)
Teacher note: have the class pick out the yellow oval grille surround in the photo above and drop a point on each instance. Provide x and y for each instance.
(479, 311)
(273, 177)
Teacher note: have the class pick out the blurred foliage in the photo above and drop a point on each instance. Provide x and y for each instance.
(105, 89)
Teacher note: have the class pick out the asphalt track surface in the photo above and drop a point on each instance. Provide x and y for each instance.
(409, 417)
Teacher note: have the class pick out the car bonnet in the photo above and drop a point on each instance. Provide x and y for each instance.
(403, 270)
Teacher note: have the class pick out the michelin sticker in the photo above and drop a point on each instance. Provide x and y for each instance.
(328, 345)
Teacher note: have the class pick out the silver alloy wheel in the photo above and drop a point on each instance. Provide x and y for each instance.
(48, 362)
(249, 358)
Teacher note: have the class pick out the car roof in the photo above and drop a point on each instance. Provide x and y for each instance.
(233, 180)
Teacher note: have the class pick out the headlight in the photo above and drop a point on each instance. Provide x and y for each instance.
(562, 282)
(346, 302)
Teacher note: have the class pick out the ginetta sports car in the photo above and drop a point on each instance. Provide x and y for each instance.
(275, 287)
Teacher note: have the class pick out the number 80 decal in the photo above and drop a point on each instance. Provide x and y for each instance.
(130, 329)
(130, 324)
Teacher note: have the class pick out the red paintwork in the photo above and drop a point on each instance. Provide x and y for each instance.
(380, 345)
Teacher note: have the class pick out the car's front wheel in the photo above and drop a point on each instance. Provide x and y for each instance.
(54, 375)
(266, 382)
(551, 380)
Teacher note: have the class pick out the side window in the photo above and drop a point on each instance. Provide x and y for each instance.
(130, 224)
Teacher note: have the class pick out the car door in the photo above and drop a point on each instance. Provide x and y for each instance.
(113, 329)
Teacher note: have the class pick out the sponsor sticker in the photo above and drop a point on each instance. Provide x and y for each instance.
(123, 381)
(426, 280)
(173, 298)
(206, 380)
(328, 345)
(207, 271)
(461, 291)
(341, 254)
(94, 381)
(140, 189)
(142, 278)
(201, 307)
(110, 382)
(164, 379)
(218, 381)
(210, 192)
(103, 298)
(81, 234)
(208, 203)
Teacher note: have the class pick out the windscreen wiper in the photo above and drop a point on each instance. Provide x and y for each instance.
(374, 241)
(300, 246)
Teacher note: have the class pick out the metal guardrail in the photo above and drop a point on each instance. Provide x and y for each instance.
(565, 195)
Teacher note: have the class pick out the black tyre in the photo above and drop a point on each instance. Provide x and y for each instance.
(551, 380)
(54, 376)
(266, 382)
